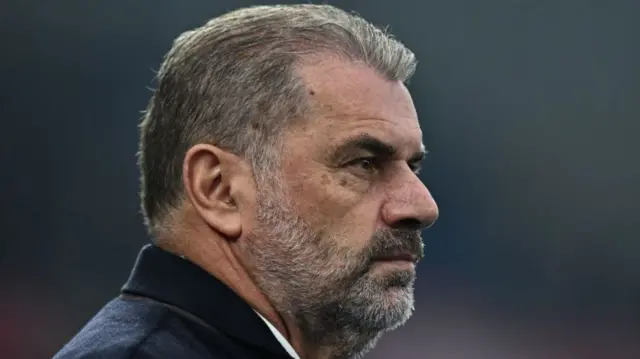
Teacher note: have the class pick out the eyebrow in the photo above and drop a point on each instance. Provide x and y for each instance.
(374, 146)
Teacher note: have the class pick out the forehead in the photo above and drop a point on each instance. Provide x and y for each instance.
(350, 99)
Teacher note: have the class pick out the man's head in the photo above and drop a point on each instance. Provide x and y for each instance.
(288, 132)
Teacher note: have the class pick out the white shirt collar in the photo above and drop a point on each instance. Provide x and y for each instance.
(283, 341)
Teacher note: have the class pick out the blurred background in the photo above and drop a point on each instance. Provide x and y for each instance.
(530, 110)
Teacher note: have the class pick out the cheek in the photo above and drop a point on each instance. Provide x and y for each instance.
(341, 205)
(323, 199)
(356, 227)
(347, 217)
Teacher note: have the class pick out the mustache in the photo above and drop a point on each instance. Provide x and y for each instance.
(386, 242)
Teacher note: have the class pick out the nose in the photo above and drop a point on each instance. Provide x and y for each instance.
(410, 206)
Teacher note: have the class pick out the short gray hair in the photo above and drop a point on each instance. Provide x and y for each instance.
(231, 82)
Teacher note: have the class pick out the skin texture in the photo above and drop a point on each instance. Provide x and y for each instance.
(310, 250)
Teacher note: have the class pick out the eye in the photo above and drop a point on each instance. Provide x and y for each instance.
(368, 164)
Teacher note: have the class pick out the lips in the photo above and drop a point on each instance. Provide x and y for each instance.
(400, 256)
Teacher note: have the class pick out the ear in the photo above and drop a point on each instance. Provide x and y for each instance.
(208, 181)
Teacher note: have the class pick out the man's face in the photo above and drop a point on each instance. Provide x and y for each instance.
(337, 230)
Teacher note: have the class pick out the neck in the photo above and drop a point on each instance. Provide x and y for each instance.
(329, 339)
(219, 257)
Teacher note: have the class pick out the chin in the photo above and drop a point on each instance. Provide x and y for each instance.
(399, 306)
(388, 309)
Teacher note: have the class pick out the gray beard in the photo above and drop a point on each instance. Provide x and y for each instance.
(326, 288)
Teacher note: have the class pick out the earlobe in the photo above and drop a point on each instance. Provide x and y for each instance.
(207, 183)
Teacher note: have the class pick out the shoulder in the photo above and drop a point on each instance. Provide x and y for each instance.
(132, 329)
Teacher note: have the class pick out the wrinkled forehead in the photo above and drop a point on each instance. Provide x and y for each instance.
(349, 99)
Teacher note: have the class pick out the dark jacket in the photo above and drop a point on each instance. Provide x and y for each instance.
(170, 308)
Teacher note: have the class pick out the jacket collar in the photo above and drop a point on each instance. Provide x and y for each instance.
(167, 278)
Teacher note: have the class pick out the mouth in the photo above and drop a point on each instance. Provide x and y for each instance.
(397, 257)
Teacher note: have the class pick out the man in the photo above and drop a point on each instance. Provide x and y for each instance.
(278, 158)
